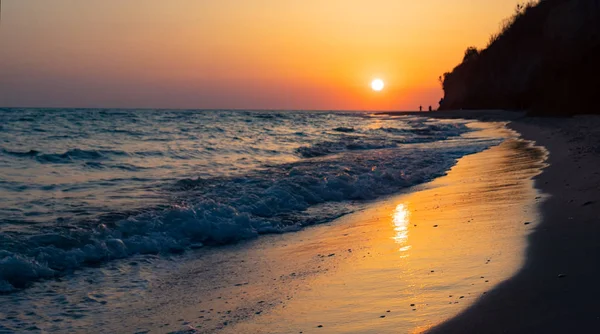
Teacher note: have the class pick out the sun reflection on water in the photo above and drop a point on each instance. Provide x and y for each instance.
(400, 218)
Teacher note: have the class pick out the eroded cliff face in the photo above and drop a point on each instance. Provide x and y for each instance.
(547, 60)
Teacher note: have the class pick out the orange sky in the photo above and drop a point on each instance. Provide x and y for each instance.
(246, 54)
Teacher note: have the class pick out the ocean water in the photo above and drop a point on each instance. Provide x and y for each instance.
(80, 188)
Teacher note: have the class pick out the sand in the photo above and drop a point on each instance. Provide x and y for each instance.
(558, 288)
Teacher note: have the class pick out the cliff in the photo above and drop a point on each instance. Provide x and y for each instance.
(546, 59)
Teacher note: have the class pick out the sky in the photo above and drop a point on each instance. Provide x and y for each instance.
(236, 54)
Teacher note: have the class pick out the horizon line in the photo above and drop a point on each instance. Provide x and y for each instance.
(222, 109)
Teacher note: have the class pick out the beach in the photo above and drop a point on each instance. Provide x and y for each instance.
(503, 242)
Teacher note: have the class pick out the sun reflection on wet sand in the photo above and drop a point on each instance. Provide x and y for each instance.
(400, 220)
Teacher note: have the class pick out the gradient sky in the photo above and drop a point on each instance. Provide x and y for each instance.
(244, 54)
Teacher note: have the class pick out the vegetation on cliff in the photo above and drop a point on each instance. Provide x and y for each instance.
(546, 59)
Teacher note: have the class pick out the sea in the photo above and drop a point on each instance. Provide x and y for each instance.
(83, 187)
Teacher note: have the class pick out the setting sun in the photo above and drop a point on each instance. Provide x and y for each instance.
(377, 85)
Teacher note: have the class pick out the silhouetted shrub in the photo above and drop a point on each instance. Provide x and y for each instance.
(471, 53)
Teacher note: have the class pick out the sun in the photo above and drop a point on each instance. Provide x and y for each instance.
(377, 85)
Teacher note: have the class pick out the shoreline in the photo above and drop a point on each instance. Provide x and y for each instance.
(448, 249)
(556, 291)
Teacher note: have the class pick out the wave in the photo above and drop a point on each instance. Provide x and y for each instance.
(68, 156)
(344, 144)
(121, 166)
(215, 211)
(343, 129)
(30, 153)
(420, 128)
(349, 143)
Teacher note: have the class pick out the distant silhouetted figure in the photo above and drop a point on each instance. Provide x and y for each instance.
(420, 108)
(430, 108)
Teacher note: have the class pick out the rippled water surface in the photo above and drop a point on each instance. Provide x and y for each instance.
(82, 187)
